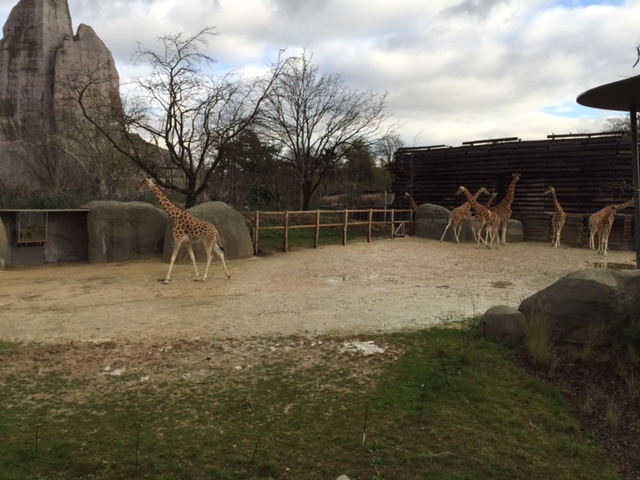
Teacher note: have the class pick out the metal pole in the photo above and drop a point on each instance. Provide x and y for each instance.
(635, 169)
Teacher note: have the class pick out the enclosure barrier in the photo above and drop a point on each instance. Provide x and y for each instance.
(396, 220)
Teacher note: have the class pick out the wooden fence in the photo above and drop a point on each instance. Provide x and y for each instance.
(395, 220)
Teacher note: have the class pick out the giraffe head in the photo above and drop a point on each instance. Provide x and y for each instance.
(549, 191)
(407, 195)
(485, 191)
(462, 190)
(516, 177)
(142, 182)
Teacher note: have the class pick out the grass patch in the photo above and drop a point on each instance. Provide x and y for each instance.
(440, 403)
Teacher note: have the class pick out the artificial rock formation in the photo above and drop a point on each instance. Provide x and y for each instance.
(38, 55)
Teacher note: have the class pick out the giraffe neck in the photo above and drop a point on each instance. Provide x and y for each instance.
(414, 205)
(472, 200)
(511, 191)
(172, 210)
(624, 205)
(556, 204)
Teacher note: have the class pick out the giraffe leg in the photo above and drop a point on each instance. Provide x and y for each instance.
(446, 228)
(220, 253)
(473, 230)
(176, 248)
(456, 231)
(193, 258)
(505, 224)
(480, 239)
(560, 227)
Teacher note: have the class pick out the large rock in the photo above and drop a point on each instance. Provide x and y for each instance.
(431, 220)
(231, 225)
(84, 56)
(39, 58)
(121, 231)
(515, 231)
(503, 323)
(579, 300)
(32, 34)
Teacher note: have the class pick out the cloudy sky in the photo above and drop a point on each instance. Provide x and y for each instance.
(454, 70)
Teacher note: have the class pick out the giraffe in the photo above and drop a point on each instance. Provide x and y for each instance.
(414, 205)
(601, 222)
(503, 208)
(187, 229)
(460, 213)
(558, 219)
(491, 200)
(414, 211)
(485, 218)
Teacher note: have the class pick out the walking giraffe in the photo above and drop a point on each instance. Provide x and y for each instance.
(484, 218)
(503, 208)
(414, 205)
(414, 212)
(463, 212)
(187, 229)
(558, 219)
(601, 222)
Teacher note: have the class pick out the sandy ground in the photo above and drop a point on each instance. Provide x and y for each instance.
(385, 285)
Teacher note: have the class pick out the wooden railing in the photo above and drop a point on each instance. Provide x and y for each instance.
(395, 220)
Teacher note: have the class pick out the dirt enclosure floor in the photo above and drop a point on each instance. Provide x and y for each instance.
(403, 283)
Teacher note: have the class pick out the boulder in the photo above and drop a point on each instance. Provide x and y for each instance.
(503, 323)
(121, 231)
(515, 231)
(579, 300)
(431, 220)
(231, 225)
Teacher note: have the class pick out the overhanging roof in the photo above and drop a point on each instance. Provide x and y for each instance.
(620, 95)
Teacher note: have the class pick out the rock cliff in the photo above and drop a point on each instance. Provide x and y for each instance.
(38, 53)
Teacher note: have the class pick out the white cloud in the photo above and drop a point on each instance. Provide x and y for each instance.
(454, 70)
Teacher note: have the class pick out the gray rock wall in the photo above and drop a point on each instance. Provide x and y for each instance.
(121, 231)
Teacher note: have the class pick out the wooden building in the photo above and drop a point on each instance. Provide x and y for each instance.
(588, 171)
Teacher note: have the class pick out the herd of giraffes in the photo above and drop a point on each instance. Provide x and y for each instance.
(188, 229)
(494, 220)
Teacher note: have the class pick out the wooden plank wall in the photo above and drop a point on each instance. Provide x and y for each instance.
(588, 172)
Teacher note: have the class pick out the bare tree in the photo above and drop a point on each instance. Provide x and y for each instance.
(386, 147)
(178, 118)
(315, 120)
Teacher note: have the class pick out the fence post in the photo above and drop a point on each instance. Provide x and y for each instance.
(393, 222)
(344, 227)
(285, 232)
(369, 226)
(317, 237)
(256, 228)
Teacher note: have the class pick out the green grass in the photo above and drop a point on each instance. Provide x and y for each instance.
(270, 241)
(441, 403)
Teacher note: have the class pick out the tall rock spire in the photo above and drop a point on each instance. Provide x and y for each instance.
(32, 34)
(38, 57)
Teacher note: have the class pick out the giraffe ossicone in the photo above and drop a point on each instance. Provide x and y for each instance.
(187, 229)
